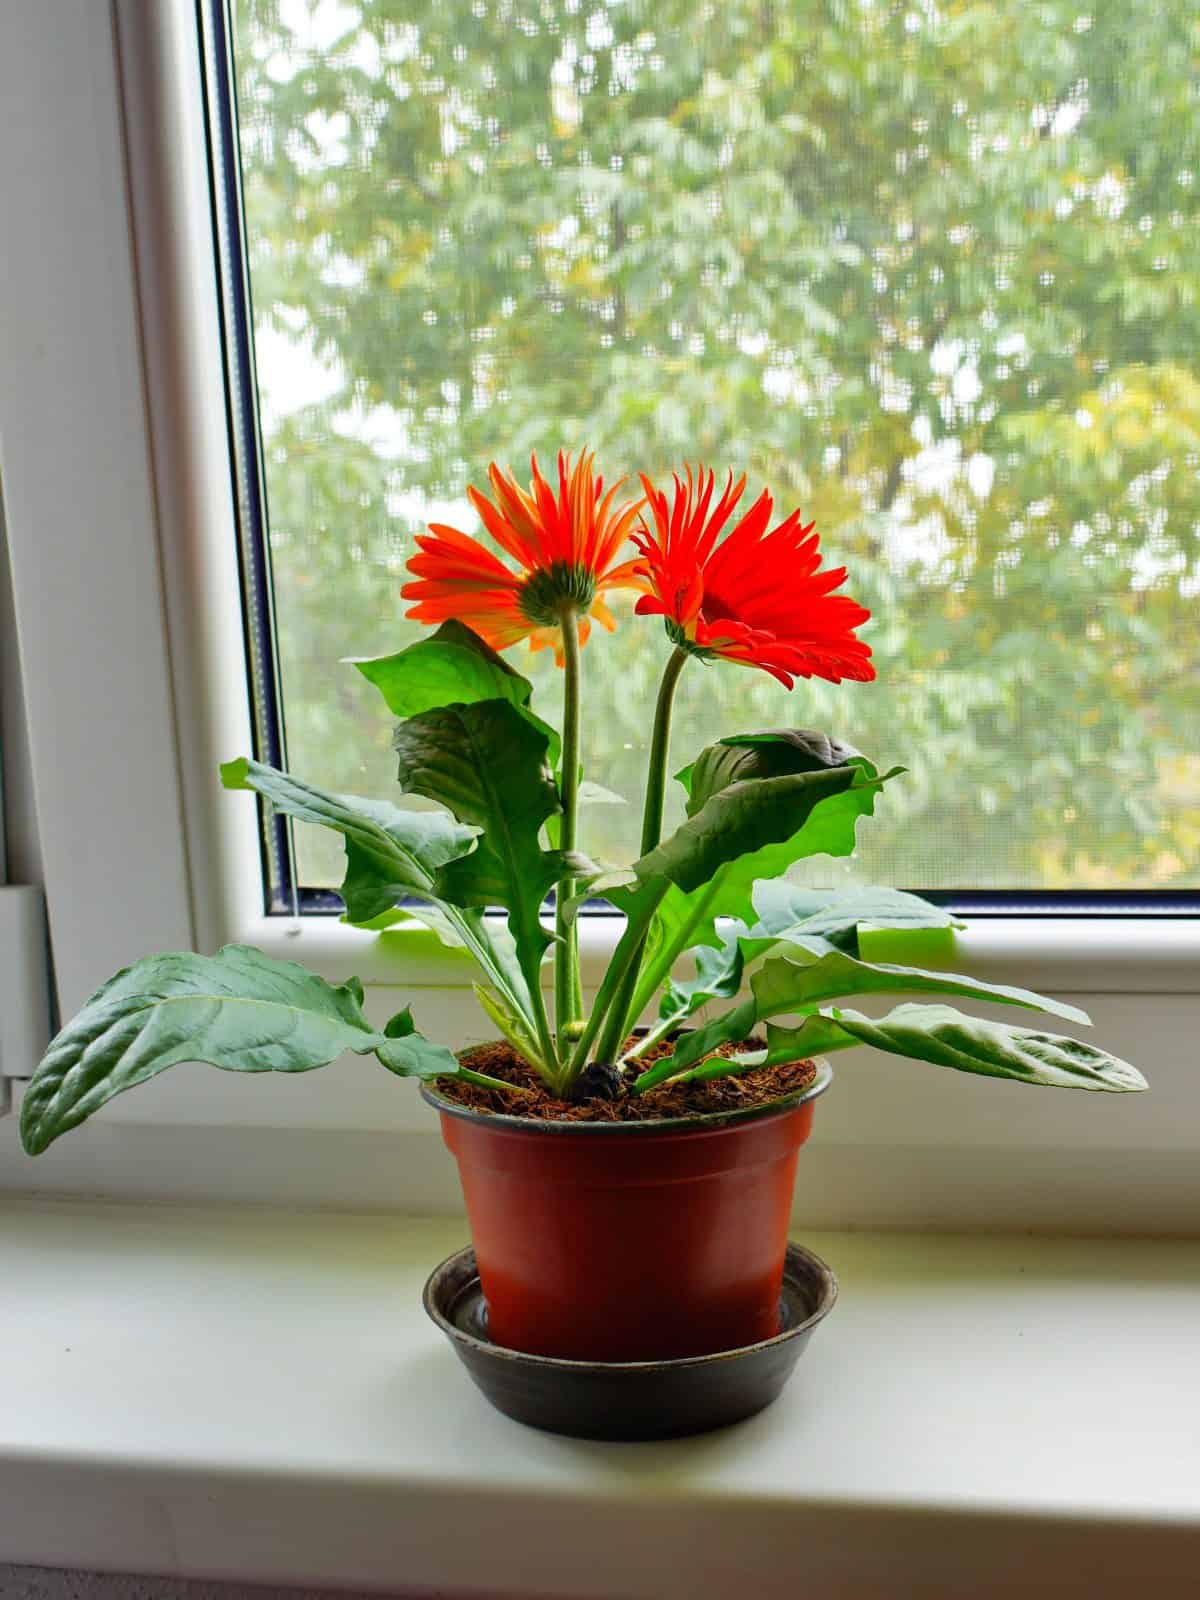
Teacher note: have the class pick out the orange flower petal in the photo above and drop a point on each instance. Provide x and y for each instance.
(578, 528)
(755, 597)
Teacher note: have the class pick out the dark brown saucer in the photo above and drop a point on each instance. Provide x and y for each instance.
(630, 1399)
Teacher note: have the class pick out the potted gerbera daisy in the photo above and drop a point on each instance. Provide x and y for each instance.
(628, 1187)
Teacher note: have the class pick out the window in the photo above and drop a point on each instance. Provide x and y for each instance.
(930, 275)
(119, 500)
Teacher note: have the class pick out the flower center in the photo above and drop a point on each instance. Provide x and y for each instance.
(545, 593)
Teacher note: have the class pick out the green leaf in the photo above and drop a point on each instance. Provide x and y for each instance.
(396, 855)
(719, 971)
(760, 755)
(238, 1010)
(734, 1025)
(820, 919)
(718, 977)
(417, 1057)
(409, 1054)
(390, 853)
(486, 763)
(453, 666)
(945, 1037)
(822, 809)
(804, 978)
(489, 940)
(507, 1022)
(401, 1025)
(812, 972)
(449, 667)
(787, 909)
(801, 978)
(748, 818)
(821, 1038)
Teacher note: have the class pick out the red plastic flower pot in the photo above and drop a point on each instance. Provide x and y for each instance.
(630, 1241)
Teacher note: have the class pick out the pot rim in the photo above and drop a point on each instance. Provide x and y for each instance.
(829, 1294)
(700, 1122)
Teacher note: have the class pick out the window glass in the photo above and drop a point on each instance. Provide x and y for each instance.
(930, 272)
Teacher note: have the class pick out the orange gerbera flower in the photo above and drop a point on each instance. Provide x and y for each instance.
(756, 597)
(566, 548)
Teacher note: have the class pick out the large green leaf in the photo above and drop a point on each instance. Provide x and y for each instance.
(487, 939)
(808, 973)
(823, 823)
(484, 937)
(395, 856)
(742, 756)
(798, 978)
(487, 764)
(238, 1010)
(453, 666)
(743, 819)
(822, 919)
(390, 853)
(945, 1037)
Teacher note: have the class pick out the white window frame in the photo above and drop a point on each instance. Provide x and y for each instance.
(117, 473)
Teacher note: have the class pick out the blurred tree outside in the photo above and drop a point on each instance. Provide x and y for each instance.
(928, 270)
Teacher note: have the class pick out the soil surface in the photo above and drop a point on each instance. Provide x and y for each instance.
(740, 1093)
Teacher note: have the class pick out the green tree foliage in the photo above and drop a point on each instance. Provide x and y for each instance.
(929, 270)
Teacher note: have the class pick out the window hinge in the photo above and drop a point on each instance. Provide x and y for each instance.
(24, 983)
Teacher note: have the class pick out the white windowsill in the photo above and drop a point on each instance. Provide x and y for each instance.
(258, 1395)
(1079, 955)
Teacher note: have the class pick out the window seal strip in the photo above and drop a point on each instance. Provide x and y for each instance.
(282, 895)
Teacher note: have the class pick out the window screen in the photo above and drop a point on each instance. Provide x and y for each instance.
(929, 272)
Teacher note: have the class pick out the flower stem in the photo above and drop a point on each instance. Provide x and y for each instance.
(623, 958)
(618, 1019)
(568, 1002)
(660, 742)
